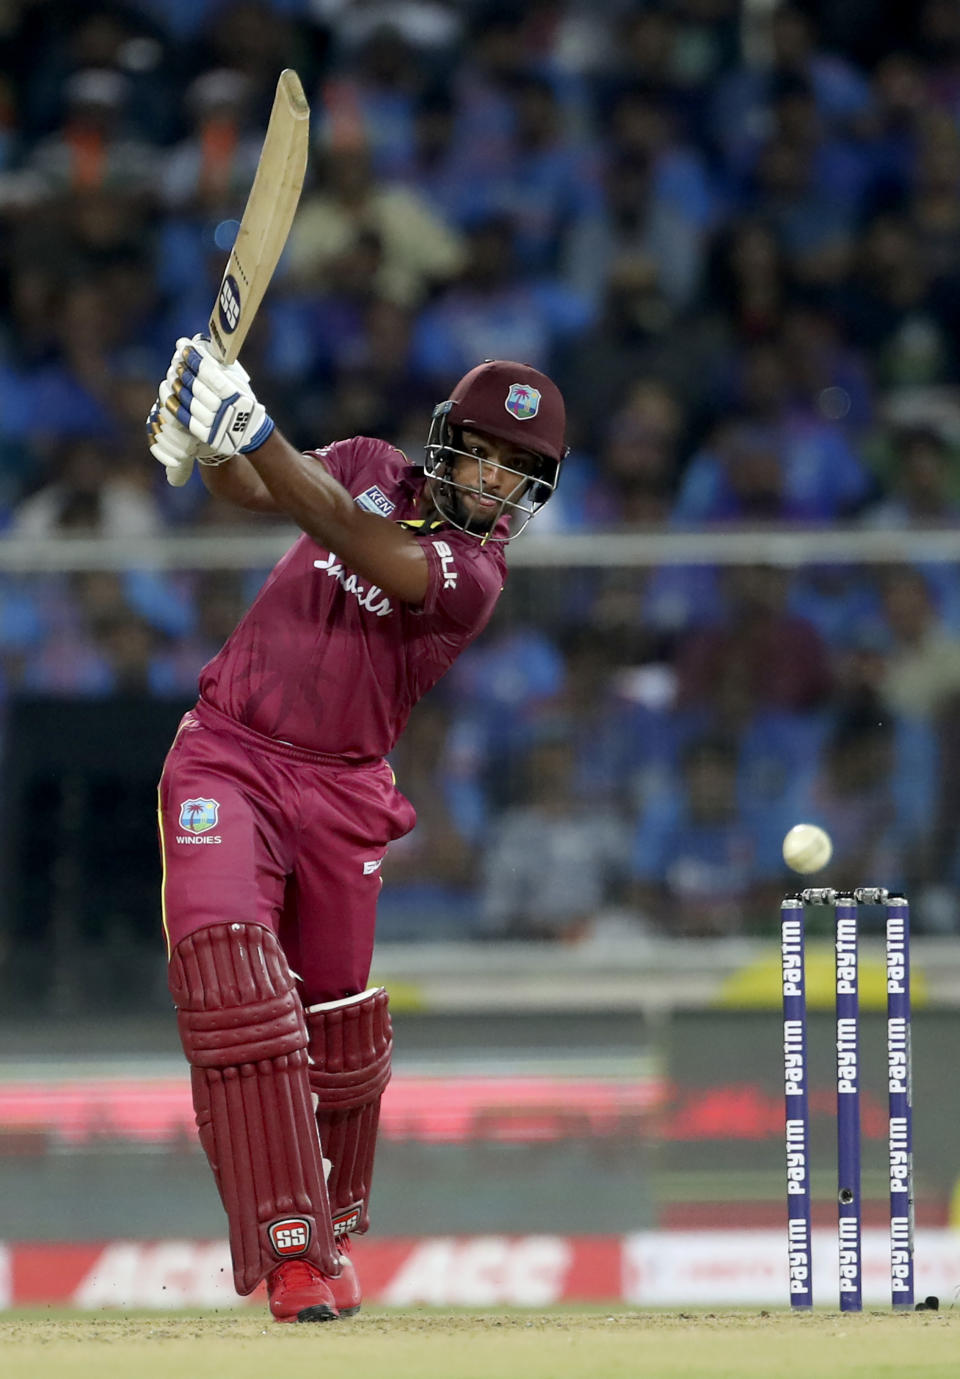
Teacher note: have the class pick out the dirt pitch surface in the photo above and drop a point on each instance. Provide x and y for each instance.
(519, 1345)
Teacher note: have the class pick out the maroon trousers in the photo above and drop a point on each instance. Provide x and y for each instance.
(254, 831)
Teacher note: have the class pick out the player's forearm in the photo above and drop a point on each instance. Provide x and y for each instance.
(373, 547)
(239, 483)
(304, 490)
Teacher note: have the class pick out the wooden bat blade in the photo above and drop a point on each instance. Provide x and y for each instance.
(267, 218)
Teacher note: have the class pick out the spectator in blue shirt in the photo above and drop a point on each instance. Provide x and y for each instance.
(695, 865)
(493, 313)
(777, 459)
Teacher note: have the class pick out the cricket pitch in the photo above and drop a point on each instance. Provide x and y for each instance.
(425, 1344)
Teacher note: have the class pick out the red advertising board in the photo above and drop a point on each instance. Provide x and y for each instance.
(645, 1269)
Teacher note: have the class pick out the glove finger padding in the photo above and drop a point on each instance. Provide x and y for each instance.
(200, 346)
(190, 399)
(169, 442)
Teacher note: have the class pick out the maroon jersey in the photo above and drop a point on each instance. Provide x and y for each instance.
(329, 662)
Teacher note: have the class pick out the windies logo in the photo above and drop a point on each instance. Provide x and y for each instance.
(522, 402)
(199, 816)
(290, 1237)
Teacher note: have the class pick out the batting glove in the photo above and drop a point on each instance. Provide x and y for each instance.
(215, 402)
(171, 443)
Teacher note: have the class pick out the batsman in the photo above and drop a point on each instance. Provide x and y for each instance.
(277, 802)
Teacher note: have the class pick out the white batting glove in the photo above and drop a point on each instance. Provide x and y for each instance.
(171, 443)
(214, 401)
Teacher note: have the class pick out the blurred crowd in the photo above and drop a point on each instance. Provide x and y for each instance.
(730, 232)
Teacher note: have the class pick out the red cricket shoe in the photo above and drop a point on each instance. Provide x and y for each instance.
(298, 1292)
(347, 1294)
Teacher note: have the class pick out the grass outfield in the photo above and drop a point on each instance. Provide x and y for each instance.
(424, 1344)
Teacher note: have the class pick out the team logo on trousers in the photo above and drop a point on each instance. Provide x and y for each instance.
(198, 816)
(290, 1237)
(522, 401)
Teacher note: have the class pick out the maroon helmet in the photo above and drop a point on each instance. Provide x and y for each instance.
(511, 402)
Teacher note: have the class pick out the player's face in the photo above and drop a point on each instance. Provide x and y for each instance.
(488, 473)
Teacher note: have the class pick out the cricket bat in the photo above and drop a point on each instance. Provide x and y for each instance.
(263, 231)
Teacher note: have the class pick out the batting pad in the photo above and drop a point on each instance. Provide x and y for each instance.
(350, 1046)
(243, 1032)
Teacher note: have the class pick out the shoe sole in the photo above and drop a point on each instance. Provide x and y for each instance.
(320, 1312)
(349, 1311)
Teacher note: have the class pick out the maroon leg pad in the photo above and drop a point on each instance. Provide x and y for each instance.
(350, 1046)
(243, 1031)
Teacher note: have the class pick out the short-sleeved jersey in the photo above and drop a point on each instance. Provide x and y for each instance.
(325, 660)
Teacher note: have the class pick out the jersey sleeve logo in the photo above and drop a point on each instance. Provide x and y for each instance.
(374, 499)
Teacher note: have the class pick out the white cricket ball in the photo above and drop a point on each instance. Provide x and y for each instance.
(807, 848)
